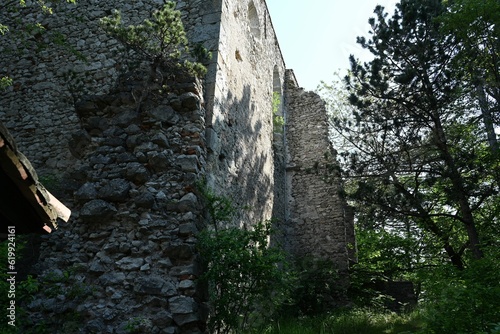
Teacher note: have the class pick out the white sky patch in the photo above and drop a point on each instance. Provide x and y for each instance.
(317, 36)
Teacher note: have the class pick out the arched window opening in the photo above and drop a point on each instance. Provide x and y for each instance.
(278, 116)
(253, 19)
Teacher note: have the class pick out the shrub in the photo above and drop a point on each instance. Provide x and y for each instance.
(466, 301)
(318, 288)
(246, 278)
(161, 41)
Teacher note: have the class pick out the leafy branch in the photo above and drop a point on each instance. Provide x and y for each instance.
(247, 279)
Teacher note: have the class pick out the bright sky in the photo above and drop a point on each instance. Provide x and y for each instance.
(317, 36)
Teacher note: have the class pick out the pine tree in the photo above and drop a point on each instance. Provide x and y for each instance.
(419, 152)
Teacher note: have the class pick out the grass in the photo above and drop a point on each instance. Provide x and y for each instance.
(358, 321)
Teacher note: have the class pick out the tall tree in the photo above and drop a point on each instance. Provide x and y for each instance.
(419, 152)
(475, 27)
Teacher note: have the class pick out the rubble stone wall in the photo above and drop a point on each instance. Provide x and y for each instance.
(318, 224)
(39, 109)
(127, 260)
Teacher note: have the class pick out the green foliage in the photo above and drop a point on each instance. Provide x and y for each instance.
(476, 25)
(466, 301)
(246, 278)
(138, 325)
(3, 29)
(353, 321)
(317, 288)
(220, 208)
(421, 159)
(5, 82)
(161, 41)
(200, 53)
(418, 159)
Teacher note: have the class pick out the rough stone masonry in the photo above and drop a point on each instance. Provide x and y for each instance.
(127, 259)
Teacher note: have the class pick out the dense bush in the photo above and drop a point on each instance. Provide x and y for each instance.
(318, 288)
(246, 278)
(466, 301)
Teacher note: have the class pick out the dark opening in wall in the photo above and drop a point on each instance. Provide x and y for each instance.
(277, 91)
(278, 114)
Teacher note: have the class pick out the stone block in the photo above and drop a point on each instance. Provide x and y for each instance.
(154, 285)
(182, 305)
(188, 202)
(160, 139)
(145, 200)
(86, 192)
(190, 101)
(188, 163)
(166, 114)
(111, 277)
(130, 263)
(158, 161)
(137, 173)
(187, 229)
(162, 319)
(116, 190)
(97, 210)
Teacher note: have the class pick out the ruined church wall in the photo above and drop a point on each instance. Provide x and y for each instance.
(240, 126)
(318, 224)
(127, 258)
(246, 68)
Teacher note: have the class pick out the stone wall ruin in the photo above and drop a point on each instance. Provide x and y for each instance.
(128, 256)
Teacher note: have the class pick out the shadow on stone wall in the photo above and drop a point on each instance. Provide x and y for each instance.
(240, 171)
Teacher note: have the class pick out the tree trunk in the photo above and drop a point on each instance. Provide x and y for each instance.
(487, 117)
(458, 187)
(429, 225)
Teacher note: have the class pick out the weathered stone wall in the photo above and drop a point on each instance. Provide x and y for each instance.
(240, 115)
(39, 108)
(127, 259)
(317, 225)
(246, 68)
